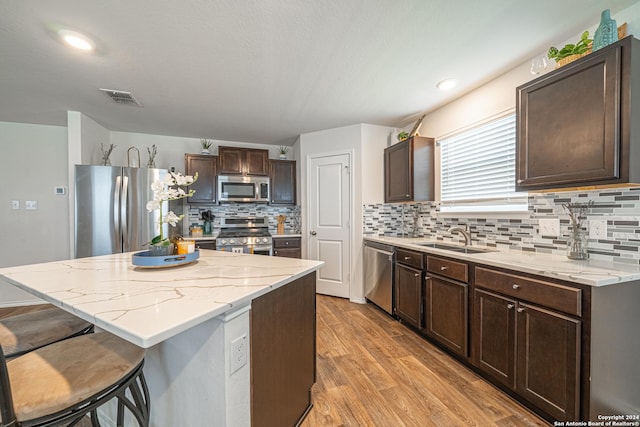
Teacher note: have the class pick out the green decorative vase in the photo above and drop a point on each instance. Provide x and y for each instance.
(607, 31)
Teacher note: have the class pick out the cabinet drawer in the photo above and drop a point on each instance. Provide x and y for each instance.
(552, 295)
(447, 268)
(414, 259)
(291, 242)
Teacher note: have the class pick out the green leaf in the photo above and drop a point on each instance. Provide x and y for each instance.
(156, 240)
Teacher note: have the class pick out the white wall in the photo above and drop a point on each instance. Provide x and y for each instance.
(33, 162)
(367, 143)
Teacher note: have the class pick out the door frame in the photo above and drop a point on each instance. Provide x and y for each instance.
(305, 226)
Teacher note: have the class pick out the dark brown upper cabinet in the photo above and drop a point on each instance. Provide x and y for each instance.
(243, 161)
(409, 170)
(574, 124)
(205, 186)
(283, 182)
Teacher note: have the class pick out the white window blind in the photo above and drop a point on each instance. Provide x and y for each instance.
(478, 168)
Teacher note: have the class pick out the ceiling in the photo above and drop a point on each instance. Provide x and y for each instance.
(267, 70)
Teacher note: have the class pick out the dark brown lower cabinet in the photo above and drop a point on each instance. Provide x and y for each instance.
(531, 350)
(290, 247)
(446, 313)
(408, 286)
(283, 353)
(548, 361)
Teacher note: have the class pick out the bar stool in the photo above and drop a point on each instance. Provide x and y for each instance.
(25, 332)
(61, 383)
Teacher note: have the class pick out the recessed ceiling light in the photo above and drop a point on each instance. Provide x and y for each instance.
(447, 84)
(77, 40)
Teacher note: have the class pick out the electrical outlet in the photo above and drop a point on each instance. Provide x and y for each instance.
(15, 204)
(238, 353)
(598, 228)
(31, 205)
(549, 226)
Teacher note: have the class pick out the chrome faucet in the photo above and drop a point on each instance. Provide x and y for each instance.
(465, 233)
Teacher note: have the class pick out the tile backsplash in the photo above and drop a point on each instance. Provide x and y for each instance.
(620, 207)
(291, 225)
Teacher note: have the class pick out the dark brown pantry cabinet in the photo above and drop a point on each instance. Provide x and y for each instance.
(527, 336)
(409, 170)
(575, 124)
(283, 182)
(205, 186)
(243, 161)
(408, 281)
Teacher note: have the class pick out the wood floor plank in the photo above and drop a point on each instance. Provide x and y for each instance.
(373, 371)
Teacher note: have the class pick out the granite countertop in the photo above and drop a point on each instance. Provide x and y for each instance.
(147, 306)
(588, 272)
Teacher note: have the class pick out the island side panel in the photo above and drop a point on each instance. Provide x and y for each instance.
(283, 353)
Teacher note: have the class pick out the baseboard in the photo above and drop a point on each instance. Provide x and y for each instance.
(358, 300)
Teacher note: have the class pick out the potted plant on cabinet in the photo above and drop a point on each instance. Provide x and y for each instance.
(206, 144)
(282, 152)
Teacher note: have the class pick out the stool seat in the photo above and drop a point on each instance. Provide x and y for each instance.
(21, 333)
(59, 376)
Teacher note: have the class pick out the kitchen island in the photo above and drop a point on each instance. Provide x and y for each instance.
(197, 325)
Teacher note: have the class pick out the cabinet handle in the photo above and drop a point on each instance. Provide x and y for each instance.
(510, 306)
(519, 181)
(416, 275)
(520, 310)
(515, 286)
(443, 268)
(286, 243)
(407, 195)
(407, 258)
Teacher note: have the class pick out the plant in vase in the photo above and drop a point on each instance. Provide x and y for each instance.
(206, 145)
(163, 191)
(282, 151)
(577, 242)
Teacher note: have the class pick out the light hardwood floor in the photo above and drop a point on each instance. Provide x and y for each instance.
(372, 371)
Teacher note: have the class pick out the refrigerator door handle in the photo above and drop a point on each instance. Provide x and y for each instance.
(123, 214)
(116, 212)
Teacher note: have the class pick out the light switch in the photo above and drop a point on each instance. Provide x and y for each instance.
(31, 205)
(15, 204)
(549, 226)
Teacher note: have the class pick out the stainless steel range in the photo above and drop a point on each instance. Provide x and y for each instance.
(249, 235)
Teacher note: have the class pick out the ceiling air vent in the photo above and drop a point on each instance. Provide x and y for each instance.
(121, 97)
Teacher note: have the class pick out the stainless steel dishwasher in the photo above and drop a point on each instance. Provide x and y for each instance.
(378, 275)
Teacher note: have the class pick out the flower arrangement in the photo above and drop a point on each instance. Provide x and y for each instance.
(164, 191)
(577, 243)
(106, 152)
(152, 156)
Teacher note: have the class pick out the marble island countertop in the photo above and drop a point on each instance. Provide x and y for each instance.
(147, 306)
(588, 272)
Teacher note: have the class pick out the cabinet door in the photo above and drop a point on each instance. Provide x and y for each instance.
(494, 346)
(231, 160)
(283, 182)
(549, 361)
(446, 313)
(256, 162)
(408, 283)
(569, 124)
(398, 172)
(288, 252)
(205, 186)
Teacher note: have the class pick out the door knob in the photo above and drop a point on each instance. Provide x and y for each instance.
(313, 233)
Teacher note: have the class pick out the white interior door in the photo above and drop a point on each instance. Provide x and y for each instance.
(329, 213)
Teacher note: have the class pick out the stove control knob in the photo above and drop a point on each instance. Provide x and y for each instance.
(265, 240)
(232, 241)
(244, 240)
(223, 241)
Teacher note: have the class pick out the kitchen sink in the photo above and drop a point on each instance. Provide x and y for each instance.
(455, 248)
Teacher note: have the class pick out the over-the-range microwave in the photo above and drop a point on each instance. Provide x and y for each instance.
(238, 188)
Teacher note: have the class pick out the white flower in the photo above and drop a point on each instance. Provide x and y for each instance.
(163, 191)
(172, 218)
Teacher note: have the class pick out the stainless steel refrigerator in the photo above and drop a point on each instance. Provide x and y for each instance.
(111, 214)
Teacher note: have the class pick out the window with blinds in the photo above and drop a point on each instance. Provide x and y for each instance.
(478, 169)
